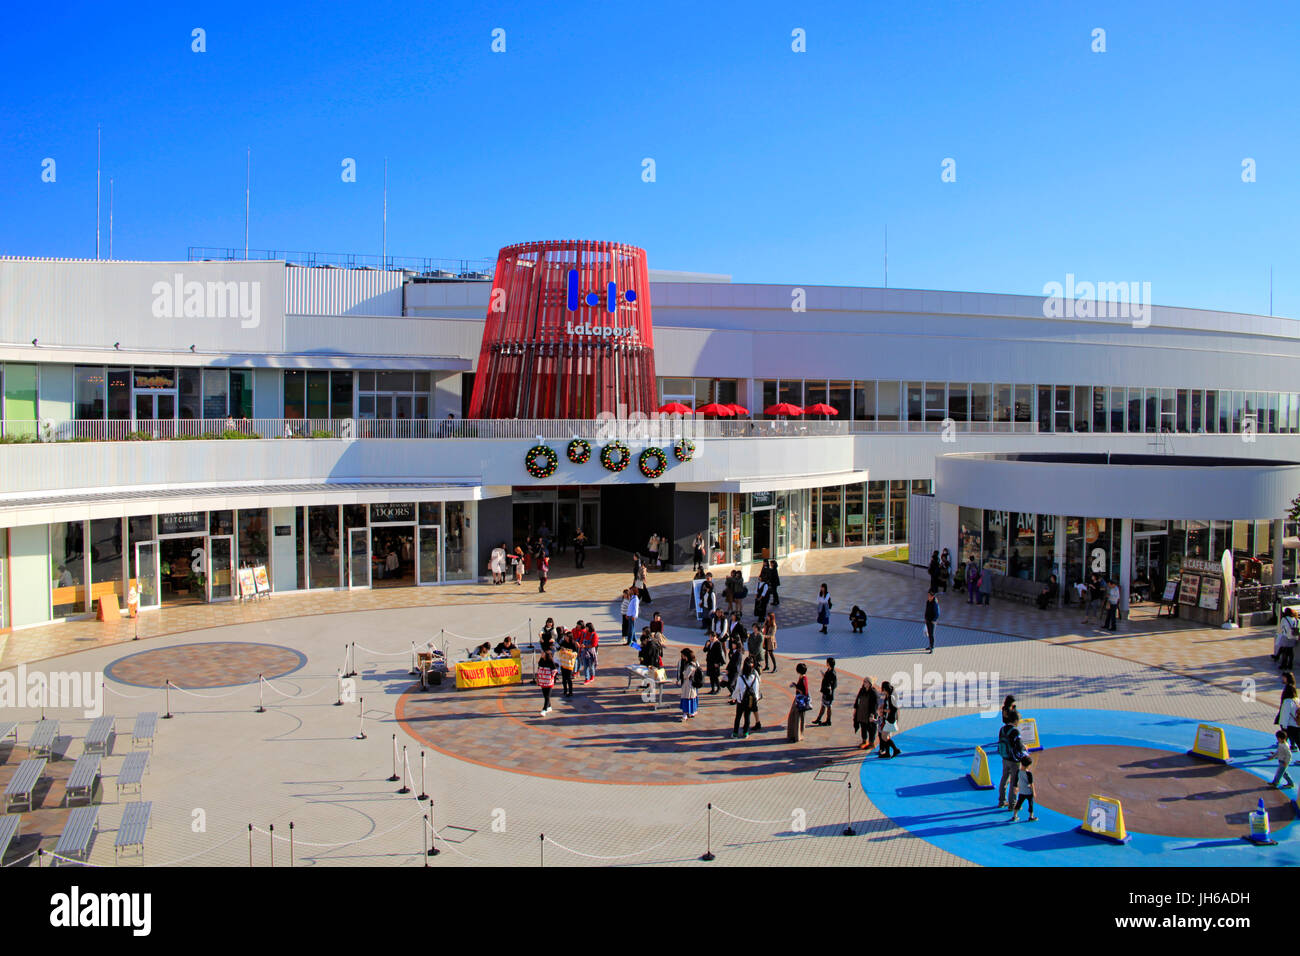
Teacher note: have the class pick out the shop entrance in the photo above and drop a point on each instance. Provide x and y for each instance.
(530, 517)
(1149, 553)
(182, 563)
(762, 534)
(392, 556)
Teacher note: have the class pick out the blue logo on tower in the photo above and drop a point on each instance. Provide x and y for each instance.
(592, 298)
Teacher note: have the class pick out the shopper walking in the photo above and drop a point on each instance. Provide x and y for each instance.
(986, 586)
(936, 571)
(931, 618)
(888, 721)
(697, 552)
(638, 582)
(546, 670)
(715, 655)
(972, 580)
(823, 609)
(579, 549)
(568, 658)
(1288, 634)
(625, 623)
(591, 650)
(746, 695)
(543, 571)
(866, 707)
(497, 564)
(1112, 605)
(769, 642)
(945, 568)
(1011, 749)
(517, 563)
(1288, 715)
(690, 678)
(800, 706)
(632, 612)
(652, 550)
(829, 680)
(774, 583)
(1283, 757)
(708, 600)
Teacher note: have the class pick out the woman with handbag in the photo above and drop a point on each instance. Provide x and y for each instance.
(568, 655)
(691, 680)
(546, 680)
(774, 584)
(823, 607)
(801, 705)
(715, 653)
(746, 695)
(888, 721)
(865, 708)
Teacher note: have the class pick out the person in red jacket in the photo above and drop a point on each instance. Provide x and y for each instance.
(590, 641)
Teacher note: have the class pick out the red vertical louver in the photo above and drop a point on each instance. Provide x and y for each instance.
(556, 344)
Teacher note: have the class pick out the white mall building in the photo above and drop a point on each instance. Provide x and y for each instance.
(311, 419)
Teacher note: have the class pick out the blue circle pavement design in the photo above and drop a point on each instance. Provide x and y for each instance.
(927, 793)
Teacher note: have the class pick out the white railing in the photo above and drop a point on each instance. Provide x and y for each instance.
(95, 430)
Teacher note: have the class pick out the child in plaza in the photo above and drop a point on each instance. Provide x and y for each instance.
(1026, 787)
(1283, 758)
(546, 680)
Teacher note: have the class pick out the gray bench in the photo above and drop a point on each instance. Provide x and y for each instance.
(8, 831)
(98, 734)
(74, 841)
(146, 725)
(9, 729)
(131, 831)
(83, 778)
(132, 772)
(43, 737)
(23, 783)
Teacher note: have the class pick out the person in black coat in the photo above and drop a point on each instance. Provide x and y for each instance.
(715, 653)
(774, 582)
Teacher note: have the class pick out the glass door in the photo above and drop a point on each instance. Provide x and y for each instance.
(158, 409)
(220, 553)
(430, 555)
(591, 522)
(359, 558)
(146, 570)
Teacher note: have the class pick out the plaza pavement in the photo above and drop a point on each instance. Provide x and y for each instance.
(299, 760)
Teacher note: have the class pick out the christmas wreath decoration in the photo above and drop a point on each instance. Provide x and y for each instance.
(656, 455)
(608, 453)
(579, 451)
(684, 450)
(546, 467)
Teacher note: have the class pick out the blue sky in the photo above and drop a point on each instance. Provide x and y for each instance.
(771, 165)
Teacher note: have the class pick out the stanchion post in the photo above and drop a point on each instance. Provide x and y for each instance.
(541, 843)
(424, 844)
(405, 766)
(848, 827)
(250, 844)
(424, 794)
(415, 670)
(103, 693)
(167, 691)
(708, 840)
(260, 708)
(433, 833)
(361, 714)
(40, 854)
(394, 778)
(291, 844)
(271, 838)
(339, 701)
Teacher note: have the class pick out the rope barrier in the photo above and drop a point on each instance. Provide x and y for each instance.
(625, 856)
(200, 853)
(330, 846)
(118, 693)
(237, 690)
(21, 859)
(400, 653)
(508, 633)
(66, 859)
(735, 816)
(294, 696)
(451, 846)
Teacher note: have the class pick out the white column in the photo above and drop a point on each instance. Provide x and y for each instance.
(949, 532)
(1276, 528)
(1125, 562)
(1060, 558)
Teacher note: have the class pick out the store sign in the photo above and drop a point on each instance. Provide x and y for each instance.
(283, 531)
(1203, 567)
(183, 522)
(593, 298)
(759, 500)
(392, 512)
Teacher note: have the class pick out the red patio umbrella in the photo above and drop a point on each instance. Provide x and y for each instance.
(821, 408)
(738, 409)
(674, 408)
(713, 408)
(783, 408)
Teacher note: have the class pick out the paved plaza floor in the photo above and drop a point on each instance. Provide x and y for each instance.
(605, 777)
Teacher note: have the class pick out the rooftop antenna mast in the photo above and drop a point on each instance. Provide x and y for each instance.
(248, 181)
(886, 255)
(385, 262)
(99, 155)
(110, 218)
(1270, 290)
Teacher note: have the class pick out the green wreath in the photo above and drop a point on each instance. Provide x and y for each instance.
(579, 451)
(548, 465)
(684, 450)
(607, 456)
(655, 454)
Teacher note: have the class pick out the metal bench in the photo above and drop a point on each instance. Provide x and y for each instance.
(82, 780)
(145, 726)
(43, 736)
(132, 772)
(23, 783)
(8, 831)
(130, 832)
(9, 729)
(74, 841)
(98, 734)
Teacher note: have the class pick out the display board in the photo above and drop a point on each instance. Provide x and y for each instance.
(1105, 818)
(1191, 586)
(1211, 590)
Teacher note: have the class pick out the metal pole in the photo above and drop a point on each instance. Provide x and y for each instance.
(290, 844)
(248, 181)
(99, 154)
(708, 844)
(110, 218)
(394, 778)
(415, 670)
(404, 788)
(433, 833)
(424, 845)
(339, 701)
(848, 828)
(260, 708)
(250, 844)
(271, 837)
(541, 840)
(361, 713)
(424, 794)
(167, 690)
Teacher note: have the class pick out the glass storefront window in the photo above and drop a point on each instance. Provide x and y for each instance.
(981, 401)
(1197, 419)
(189, 394)
(1211, 411)
(323, 546)
(864, 401)
(216, 395)
(106, 556)
(340, 394)
(898, 511)
(138, 528)
(318, 394)
(1024, 404)
(1020, 557)
(1082, 408)
(854, 515)
(1117, 409)
(1099, 408)
(877, 512)
(1002, 397)
(252, 526)
(915, 401)
(221, 522)
(89, 392)
(458, 548)
(970, 529)
(888, 404)
(119, 394)
(829, 526)
(295, 394)
(1135, 409)
(838, 396)
(959, 401)
(1044, 408)
(936, 402)
(241, 393)
(995, 540)
(1064, 409)
(67, 564)
(1198, 540)
(1044, 549)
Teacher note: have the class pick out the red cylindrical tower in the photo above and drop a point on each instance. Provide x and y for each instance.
(568, 333)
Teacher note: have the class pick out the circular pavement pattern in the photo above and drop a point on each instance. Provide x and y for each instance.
(1179, 811)
(215, 664)
(606, 734)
